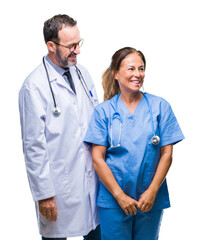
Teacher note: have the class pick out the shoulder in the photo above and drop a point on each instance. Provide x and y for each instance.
(105, 109)
(85, 74)
(82, 69)
(161, 108)
(157, 100)
(102, 114)
(34, 79)
(106, 105)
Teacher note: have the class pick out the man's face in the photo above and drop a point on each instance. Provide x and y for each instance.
(66, 54)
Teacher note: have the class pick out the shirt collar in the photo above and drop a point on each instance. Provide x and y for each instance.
(57, 68)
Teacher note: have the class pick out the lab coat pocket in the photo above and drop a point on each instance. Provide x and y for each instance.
(58, 171)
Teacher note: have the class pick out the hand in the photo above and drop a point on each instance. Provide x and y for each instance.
(47, 208)
(146, 200)
(127, 203)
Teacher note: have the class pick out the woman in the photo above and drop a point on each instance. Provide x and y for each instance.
(132, 136)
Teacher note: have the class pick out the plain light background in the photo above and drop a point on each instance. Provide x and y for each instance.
(169, 33)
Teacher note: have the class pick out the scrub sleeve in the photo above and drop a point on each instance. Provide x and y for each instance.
(97, 130)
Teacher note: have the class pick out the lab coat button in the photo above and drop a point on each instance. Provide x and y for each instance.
(89, 173)
(87, 147)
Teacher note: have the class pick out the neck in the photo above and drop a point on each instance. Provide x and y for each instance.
(53, 59)
(130, 98)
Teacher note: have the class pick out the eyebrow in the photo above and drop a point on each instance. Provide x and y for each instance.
(134, 66)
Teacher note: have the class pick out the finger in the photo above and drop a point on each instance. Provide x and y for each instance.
(142, 207)
(145, 208)
(49, 215)
(126, 211)
(134, 209)
(130, 210)
(42, 212)
(54, 214)
(148, 208)
(139, 205)
(136, 203)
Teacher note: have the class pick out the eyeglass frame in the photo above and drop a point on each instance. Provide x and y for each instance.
(73, 45)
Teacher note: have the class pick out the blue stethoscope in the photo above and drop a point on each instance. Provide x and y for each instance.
(155, 139)
(56, 111)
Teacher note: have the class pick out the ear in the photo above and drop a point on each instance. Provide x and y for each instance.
(116, 75)
(51, 46)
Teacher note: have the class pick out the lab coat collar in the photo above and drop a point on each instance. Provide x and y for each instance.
(54, 75)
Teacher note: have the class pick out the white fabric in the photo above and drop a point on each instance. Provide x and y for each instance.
(58, 162)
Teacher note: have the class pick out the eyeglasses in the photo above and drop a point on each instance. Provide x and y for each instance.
(72, 46)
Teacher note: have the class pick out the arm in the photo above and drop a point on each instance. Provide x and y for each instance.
(32, 115)
(147, 199)
(104, 172)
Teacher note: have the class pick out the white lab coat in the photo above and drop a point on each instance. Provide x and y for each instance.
(58, 162)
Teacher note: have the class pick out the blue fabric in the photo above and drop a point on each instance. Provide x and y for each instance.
(115, 224)
(134, 163)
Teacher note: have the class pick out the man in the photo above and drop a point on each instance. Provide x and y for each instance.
(56, 102)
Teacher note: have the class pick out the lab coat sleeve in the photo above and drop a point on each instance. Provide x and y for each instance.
(170, 131)
(97, 130)
(32, 114)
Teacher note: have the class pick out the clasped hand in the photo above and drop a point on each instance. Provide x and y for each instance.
(130, 205)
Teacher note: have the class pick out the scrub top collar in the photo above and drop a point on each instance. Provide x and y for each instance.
(118, 101)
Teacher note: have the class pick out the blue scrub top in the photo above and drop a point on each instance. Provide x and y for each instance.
(134, 163)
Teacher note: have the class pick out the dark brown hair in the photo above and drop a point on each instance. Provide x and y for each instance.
(109, 83)
(54, 24)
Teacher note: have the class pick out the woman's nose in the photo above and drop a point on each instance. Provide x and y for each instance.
(137, 73)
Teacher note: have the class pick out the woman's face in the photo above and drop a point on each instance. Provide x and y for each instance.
(131, 74)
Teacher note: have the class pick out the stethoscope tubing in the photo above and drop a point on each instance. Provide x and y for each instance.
(150, 112)
(85, 87)
(155, 139)
(56, 111)
(48, 78)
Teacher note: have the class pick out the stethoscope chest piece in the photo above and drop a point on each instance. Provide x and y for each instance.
(155, 140)
(56, 112)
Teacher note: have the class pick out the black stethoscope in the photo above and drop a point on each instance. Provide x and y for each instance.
(56, 110)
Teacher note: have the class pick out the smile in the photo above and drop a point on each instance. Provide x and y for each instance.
(135, 81)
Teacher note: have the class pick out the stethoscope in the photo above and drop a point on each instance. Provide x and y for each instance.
(56, 110)
(155, 139)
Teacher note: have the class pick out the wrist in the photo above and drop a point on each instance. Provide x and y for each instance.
(46, 199)
(154, 188)
(117, 194)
